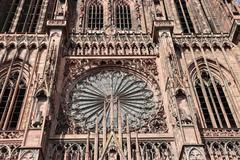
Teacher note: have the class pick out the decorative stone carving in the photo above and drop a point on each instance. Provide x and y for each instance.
(41, 105)
(155, 150)
(32, 39)
(218, 132)
(224, 149)
(155, 124)
(73, 150)
(81, 16)
(202, 39)
(81, 45)
(138, 14)
(28, 154)
(37, 122)
(11, 134)
(195, 152)
(152, 150)
(61, 9)
(76, 67)
(176, 86)
(114, 87)
(65, 126)
(195, 155)
(183, 107)
(9, 151)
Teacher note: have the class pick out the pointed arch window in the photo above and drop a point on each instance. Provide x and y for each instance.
(123, 16)
(29, 16)
(184, 16)
(95, 16)
(11, 101)
(7, 14)
(213, 102)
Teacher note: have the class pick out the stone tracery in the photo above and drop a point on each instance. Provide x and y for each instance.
(138, 98)
(96, 44)
(223, 149)
(116, 91)
(148, 151)
(9, 152)
(142, 58)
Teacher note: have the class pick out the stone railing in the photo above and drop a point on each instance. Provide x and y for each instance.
(223, 149)
(219, 132)
(78, 150)
(11, 135)
(201, 39)
(111, 45)
(9, 151)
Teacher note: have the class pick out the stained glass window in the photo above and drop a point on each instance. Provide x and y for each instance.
(12, 97)
(217, 111)
(111, 92)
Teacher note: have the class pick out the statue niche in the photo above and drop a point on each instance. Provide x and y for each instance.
(41, 104)
(183, 108)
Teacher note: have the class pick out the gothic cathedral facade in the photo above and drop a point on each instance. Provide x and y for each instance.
(119, 80)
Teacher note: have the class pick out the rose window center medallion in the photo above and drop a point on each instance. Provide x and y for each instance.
(111, 94)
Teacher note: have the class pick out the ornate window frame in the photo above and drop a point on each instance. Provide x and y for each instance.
(29, 16)
(73, 76)
(8, 17)
(123, 15)
(94, 8)
(213, 106)
(17, 81)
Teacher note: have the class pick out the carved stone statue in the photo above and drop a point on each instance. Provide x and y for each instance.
(40, 108)
(135, 50)
(112, 155)
(143, 50)
(183, 108)
(195, 155)
(61, 9)
(127, 50)
(103, 50)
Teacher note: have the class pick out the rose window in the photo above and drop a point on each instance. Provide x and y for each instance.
(111, 94)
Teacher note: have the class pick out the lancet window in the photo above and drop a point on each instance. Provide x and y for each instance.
(123, 16)
(214, 104)
(29, 16)
(8, 11)
(12, 92)
(95, 16)
(184, 16)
